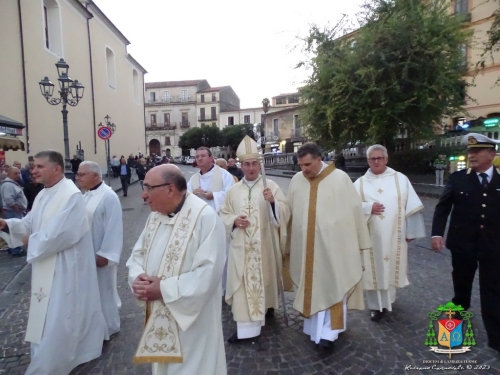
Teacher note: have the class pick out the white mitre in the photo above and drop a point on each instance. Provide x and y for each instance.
(247, 149)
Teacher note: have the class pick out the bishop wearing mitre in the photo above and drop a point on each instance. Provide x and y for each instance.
(252, 213)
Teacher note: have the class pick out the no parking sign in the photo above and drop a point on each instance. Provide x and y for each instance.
(104, 132)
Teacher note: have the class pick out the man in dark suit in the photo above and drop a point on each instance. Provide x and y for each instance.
(473, 197)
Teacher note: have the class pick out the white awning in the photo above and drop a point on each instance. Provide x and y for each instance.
(11, 143)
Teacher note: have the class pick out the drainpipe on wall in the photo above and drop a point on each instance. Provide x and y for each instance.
(146, 152)
(91, 81)
(27, 134)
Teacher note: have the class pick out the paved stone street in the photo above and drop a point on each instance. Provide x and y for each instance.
(392, 346)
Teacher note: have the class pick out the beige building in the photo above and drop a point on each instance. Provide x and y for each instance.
(170, 112)
(173, 107)
(35, 35)
(479, 17)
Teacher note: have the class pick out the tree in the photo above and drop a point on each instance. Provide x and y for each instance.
(234, 134)
(400, 73)
(208, 136)
(492, 45)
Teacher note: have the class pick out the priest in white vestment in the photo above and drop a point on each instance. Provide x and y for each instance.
(65, 325)
(212, 182)
(394, 214)
(176, 269)
(327, 236)
(104, 213)
(252, 214)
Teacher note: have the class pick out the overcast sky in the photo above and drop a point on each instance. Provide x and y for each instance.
(245, 44)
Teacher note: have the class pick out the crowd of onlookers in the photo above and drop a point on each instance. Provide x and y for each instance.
(18, 191)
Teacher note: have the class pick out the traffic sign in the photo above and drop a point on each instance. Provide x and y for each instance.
(104, 132)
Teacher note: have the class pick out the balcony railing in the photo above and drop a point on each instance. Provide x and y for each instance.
(185, 124)
(161, 126)
(272, 137)
(171, 100)
(207, 118)
(296, 133)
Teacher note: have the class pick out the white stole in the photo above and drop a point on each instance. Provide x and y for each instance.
(42, 272)
(216, 182)
(92, 200)
(160, 339)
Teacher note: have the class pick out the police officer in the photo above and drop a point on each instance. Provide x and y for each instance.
(474, 231)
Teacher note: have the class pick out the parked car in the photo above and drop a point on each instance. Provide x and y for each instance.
(177, 159)
(190, 160)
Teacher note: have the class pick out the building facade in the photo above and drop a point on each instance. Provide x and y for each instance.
(41, 32)
(484, 101)
(212, 101)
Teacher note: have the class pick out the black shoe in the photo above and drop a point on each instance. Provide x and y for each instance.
(19, 254)
(376, 315)
(325, 344)
(235, 340)
(270, 313)
(125, 194)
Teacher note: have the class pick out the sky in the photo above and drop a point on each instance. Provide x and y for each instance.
(252, 46)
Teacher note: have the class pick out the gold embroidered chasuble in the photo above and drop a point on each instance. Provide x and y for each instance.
(160, 339)
(386, 263)
(251, 283)
(327, 231)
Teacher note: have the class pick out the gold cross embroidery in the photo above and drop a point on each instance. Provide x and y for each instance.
(40, 295)
(449, 313)
(380, 191)
(386, 258)
(382, 217)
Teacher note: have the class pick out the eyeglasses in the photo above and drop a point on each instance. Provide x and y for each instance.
(373, 160)
(149, 188)
(82, 174)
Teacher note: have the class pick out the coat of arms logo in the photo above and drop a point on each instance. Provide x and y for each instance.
(455, 334)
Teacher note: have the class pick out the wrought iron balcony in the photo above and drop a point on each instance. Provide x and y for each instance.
(271, 136)
(171, 100)
(296, 133)
(185, 124)
(161, 126)
(207, 118)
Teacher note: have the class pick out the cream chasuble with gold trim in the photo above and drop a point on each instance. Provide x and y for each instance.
(327, 233)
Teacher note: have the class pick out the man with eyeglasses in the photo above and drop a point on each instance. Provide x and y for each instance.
(393, 212)
(252, 214)
(212, 182)
(175, 269)
(104, 214)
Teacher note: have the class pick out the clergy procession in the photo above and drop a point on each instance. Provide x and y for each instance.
(214, 241)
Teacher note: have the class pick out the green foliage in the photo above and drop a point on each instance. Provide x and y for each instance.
(399, 73)
(492, 45)
(194, 137)
(234, 134)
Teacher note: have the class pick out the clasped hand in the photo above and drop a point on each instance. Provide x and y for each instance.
(378, 209)
(147, 288)
(203, 194)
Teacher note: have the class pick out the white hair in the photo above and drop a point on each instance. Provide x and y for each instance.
(93, 167)
(375, 148)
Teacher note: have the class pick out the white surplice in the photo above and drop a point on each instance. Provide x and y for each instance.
(193, 298)
(206, 184)
(105, 218)
(386, 264)
(74, 327)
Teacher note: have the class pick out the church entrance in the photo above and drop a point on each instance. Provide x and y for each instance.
(154, 147)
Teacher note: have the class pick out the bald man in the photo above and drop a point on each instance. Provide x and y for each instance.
(223, 164)
(176, 269)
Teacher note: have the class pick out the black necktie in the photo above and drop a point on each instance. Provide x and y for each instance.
(484, 180)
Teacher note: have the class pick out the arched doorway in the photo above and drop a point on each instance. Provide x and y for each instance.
(167, 152)
(154, 147)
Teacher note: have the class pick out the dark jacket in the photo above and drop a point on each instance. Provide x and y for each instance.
(475, 214)
(31, 190)
(129, 171)
(75, 163)
(237, 172)
(141, 171)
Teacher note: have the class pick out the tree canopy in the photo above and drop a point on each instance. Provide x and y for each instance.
(234, 134)
(400, 73)
(492, 45)
(209, 136)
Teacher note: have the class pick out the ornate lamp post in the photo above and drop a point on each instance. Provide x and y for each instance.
(112, 126)
(70, 93)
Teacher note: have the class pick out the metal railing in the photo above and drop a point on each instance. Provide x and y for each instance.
(185, 124)
(207, 118)
(278, 159)
(171, 100)
(161, 126)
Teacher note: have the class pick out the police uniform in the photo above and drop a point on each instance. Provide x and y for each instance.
(474, 236)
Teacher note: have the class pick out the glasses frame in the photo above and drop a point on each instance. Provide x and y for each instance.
(152, 187)
(373, 160)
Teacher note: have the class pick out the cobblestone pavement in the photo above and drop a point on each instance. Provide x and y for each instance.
(387, 347)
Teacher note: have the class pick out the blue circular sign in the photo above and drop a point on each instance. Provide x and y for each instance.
(104, 132)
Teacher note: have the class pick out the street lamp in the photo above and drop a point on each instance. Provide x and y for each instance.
(112, 127)
(71, 92)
